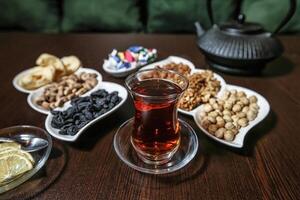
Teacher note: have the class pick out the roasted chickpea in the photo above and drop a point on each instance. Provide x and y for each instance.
(229, 125)
(241, 114)
(245, 109)
(242, 122)
(251, 115)
(228, 135)
(220, 123)
(226, 112)
(241, 94)
(207, 108)
(212, 128)
(253, 99)
(212, 101)
(220, 132)
(213, 114)
(245, 101)
(227, 118)
(212, 119)
(236, 108)
(227, 105)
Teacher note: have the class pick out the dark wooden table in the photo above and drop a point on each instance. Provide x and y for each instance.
(267, 168)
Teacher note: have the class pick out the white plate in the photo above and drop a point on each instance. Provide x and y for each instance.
(35, 94)
(178, 60)
(108, 86)
(170, 59)
(17, 78)
(238, 141)
(121, 72)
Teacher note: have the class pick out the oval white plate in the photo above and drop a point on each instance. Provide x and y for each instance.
(21, 89)
(108, 86)
(170, 59)
(238, 142)
(120, 73)
(35, 94)
(178, 60)
(17, 86)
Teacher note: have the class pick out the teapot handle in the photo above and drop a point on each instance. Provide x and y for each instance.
(209, 11)
(285, 20)
(288, 17)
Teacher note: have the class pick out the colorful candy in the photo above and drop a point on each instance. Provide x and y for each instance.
(134, 56)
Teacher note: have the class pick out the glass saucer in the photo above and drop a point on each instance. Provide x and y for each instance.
(185, 153)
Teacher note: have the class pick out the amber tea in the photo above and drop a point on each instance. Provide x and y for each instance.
(156, 131)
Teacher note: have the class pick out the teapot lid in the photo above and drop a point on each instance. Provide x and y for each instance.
(241, 27)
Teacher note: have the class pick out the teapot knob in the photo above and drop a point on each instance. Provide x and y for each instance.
(241, 18)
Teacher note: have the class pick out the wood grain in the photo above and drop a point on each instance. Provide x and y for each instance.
(267, 168)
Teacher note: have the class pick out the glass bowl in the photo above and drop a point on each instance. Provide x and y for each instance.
(40, 156)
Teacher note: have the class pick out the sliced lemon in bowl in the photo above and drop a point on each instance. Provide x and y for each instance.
(17, 152)
(14, 162)
(9, 145)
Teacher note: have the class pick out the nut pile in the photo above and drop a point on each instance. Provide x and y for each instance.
(56, 94)
(83, 110)
(202, 86)
(49, 69)
(225, 116)
(180, 68)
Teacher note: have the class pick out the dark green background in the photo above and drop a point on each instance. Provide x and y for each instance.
(135, 15)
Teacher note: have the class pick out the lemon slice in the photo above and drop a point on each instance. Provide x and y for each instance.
(12, 165)
(9, 145)
(11, 151)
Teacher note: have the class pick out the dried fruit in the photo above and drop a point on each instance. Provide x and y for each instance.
(50, 68)
(83, 110)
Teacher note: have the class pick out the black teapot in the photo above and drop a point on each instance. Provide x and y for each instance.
(240, 47)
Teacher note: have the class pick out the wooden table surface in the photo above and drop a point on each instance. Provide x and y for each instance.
(266, 168)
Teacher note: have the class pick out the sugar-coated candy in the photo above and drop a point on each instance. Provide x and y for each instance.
(133, 57)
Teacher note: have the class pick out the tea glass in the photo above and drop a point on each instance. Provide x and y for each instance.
(156, 130)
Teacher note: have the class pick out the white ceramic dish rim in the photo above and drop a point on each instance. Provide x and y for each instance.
(238, 141)
(22, 73)
(15, 82)
(110, 87)
(177, 59)
(122, 72)
(38, 92)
